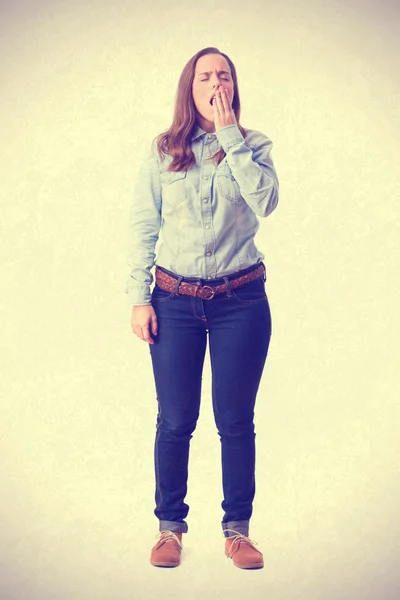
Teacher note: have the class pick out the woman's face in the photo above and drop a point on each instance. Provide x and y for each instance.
(211, 71)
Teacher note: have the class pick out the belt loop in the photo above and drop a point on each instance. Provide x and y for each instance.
(176, 288)
(265, 273)
(228, 287)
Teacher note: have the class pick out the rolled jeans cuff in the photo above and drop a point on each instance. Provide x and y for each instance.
(173, 526)
(239, 526)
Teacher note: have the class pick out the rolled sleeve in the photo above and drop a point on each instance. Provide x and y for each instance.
(143, 230)
(252, 167)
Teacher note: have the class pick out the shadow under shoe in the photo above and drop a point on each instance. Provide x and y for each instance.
(167, 551)
(242, 551)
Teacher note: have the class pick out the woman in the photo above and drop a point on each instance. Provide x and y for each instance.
(202, 186)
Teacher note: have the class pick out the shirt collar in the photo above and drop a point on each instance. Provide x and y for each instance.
(197, 132)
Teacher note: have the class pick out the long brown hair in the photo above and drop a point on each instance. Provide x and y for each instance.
(176, 140)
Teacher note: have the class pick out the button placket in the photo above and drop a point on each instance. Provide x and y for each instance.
(206, 213)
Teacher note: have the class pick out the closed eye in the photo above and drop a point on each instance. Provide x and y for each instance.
(225, 78)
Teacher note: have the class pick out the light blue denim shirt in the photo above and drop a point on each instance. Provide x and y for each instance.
(205, 218)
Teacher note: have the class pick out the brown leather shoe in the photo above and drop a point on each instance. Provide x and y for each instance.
(167, 551)
(241, 550)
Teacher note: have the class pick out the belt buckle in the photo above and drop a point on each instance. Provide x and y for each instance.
(209, 291)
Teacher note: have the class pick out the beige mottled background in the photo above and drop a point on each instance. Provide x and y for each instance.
(85, 86)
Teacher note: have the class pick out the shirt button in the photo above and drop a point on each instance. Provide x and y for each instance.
(208, 254)
(205, 200)
(207, 227)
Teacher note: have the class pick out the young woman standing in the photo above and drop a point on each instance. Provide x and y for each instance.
(202, 187)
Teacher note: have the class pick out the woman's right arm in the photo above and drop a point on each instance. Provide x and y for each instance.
(143, 231)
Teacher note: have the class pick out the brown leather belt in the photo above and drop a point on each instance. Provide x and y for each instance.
(206, 292)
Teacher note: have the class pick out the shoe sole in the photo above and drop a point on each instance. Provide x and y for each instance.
(164, 564)
(252, 566)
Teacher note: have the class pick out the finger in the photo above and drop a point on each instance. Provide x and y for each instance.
(219, 101)
(154, 325)
(138, 331)
(146, 335)
(224, 100)
(216, 114)
(215, 104)
(223, 105)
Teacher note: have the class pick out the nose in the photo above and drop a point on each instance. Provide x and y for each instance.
(215, 78)
(215, 86)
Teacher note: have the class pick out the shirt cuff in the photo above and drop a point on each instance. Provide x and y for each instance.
(229, 136)
(138, 296)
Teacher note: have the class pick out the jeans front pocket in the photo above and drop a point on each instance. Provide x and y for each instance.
(252, 292)
(159, 295)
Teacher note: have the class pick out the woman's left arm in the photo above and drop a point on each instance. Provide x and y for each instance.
(252, 167)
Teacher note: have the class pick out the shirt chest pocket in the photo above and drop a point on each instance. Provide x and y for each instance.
(227, 185)
(173, 187)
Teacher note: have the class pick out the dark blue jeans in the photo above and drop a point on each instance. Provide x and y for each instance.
(238, 324)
